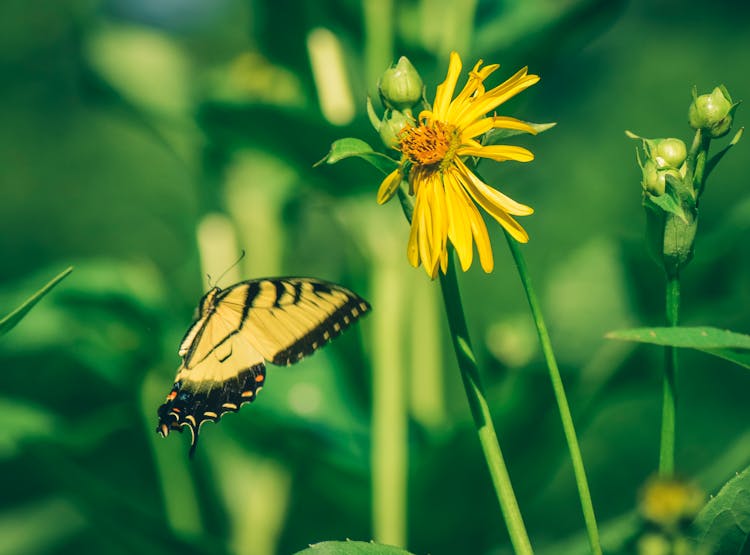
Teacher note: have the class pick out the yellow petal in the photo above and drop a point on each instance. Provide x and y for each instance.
(443, 261)
(494, 97)
(483, 125)
(499, 153)
(474, 86)
(389, 186)
(412, 247)
(445, 89)
(491, 200)
(482, 239)
(424, 232)
(439, 218)
(459, 229)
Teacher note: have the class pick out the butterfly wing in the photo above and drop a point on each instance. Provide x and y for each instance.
(280, 320)
(286, 319)
(221, 372)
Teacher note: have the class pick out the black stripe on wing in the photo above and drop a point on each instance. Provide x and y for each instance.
(191, 406)
(331, 327)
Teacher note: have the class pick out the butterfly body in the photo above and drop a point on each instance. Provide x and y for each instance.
(238, 329)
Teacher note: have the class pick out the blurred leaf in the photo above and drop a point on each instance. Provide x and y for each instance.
(132, 59)
(37, 527)
(720, 343)
(10, 321)
(495, 135)
(21, 422)
(350, 147)
(351, 548)
(724, 523)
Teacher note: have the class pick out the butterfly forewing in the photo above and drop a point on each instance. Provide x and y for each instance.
(280, 320)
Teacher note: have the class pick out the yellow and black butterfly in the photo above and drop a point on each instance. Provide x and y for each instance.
(280, 320)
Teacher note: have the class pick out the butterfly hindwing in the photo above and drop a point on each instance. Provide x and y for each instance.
(278, 320)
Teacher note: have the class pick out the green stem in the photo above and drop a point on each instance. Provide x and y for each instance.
(562, 401)
(481, 413)
(666, 446)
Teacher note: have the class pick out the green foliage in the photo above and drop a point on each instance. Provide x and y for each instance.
(723, 526)
(725, 344)
(497, 135)
(357, 148)
(124, 125)
(352, 548)
(12, 319)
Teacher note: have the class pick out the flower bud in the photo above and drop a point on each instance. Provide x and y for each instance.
(400, 86)
(391, 126)
(671, 152)
(654, 180)
(712, 112)
(667, 502)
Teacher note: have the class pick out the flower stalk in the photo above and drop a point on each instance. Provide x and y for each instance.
(480, 411)
(562, 402)
(669, 402)
(673, 181)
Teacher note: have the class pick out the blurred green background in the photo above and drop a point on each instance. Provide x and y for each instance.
(146, 143)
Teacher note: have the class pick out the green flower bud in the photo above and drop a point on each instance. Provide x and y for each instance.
(671, 152)
(400, 86)
(654, 180)
(712, 112)
(391, 126)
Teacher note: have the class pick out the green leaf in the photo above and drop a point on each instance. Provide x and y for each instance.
(10, 321)
(724, 523)
(667, 203)
(352, 548)
(719, 155)
(350, 147)
(724, 344)
(495, 135)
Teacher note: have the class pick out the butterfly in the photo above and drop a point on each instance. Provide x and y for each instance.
(238, 330)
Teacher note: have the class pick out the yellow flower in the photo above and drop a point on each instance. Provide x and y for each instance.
(433, 160)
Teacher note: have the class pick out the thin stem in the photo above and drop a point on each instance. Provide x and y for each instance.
(481, 413)
(562, 401)
(666, 446)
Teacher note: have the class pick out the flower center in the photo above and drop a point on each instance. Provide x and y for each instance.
(427, 146)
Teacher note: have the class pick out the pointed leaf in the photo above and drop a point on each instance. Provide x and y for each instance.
(495, 135)
(667, 203)
(10, 321)
(352, 548)
(350, 147)
(723, 525)
(725, 344)
(716, 158)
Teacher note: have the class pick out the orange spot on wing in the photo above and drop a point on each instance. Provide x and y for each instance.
(259, 378)
(172, 395)
(248, 393)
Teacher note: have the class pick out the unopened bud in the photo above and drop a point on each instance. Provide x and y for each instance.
(400, 86)
(654, 179)
(712, 112)
(391, 126)
(671, 152)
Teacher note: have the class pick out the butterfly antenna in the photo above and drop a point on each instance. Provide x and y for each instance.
(236, 262)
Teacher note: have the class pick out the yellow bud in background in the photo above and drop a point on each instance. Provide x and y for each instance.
(400, 86)
(667, 502)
